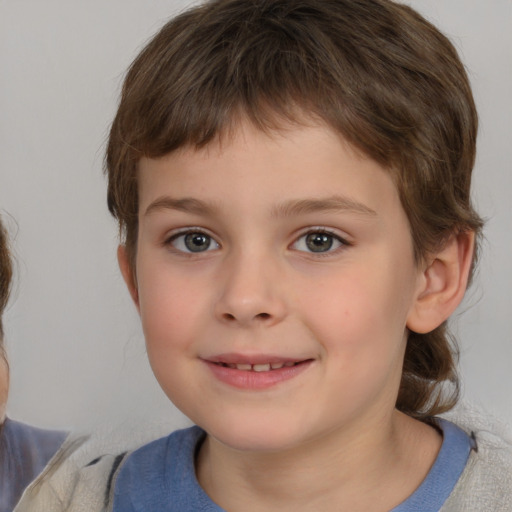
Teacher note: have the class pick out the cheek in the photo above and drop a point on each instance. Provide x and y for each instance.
(169, 313)
(170, 309)
(357, 319)
(345, 305)
(363, 343)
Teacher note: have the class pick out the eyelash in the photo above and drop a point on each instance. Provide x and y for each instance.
(343, 243)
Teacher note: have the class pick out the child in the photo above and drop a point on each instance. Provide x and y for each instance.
(24, 450)
(292, 183)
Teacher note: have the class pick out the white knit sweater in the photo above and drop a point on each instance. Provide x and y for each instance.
(486, 483)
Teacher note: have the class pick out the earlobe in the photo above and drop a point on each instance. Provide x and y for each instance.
(442, 284)
(128, 274)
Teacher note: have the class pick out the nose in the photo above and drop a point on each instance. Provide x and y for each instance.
(251, 292)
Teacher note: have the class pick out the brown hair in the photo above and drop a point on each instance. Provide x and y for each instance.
(5, 279)
(374, 70)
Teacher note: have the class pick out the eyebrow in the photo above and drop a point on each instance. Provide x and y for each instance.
(329, 204)
(186, 204)
(286, 209)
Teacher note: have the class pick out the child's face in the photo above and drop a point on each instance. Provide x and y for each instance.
(274, 250)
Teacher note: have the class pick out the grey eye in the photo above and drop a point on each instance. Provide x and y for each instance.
(197, 242)
(193, 242)
(318, 242)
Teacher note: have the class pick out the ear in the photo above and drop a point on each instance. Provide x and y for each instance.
(128, 273)
(442, 283)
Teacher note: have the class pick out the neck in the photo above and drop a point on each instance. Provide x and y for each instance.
(362, 468)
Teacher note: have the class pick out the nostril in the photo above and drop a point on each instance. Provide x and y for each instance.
(261, 317)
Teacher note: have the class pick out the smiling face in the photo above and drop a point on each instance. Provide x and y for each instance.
(275, 276)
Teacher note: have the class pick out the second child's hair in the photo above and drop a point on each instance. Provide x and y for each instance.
(375, 71)
(5, 279)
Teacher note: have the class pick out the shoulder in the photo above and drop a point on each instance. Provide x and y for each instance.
(159, 472)
(24, 453)
(178, 445)
(79, 477)
(486, 482)
(36, 440)
(75, 474)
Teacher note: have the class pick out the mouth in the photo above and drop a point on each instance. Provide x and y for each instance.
(256, 373)
(259, 367)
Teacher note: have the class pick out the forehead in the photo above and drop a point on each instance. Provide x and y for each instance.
(311, 152)
(293, 170)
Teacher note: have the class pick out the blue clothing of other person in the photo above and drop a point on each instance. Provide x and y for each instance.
(24, 453)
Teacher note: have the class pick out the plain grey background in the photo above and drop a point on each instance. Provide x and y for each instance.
(75, 346)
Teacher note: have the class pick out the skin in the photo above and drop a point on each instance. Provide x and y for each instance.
(4, 386)
(329, 438)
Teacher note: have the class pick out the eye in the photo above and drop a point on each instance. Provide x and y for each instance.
(319, 242)
(192, 242)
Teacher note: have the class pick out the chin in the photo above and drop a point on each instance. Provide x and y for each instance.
(255, 443)
(256, 435)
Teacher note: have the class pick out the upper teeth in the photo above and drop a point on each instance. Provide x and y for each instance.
(261, 367)
(265, 367)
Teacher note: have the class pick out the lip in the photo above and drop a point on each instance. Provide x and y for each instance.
(255, 380)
